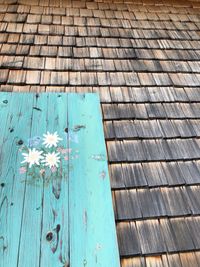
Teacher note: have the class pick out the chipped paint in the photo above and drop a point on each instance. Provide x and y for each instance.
(99, 157)
(77, 128)
(102, 175)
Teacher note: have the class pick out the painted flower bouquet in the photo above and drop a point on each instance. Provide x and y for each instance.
(44, 158)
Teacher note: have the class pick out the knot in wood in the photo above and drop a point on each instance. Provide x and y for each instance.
(49, 236)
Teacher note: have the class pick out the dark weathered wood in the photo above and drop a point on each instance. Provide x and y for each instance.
(182, 235)
(127, 205)
(150, 237)
(126, 233)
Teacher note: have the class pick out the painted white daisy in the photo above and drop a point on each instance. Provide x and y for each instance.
(51, 139)
(32, 157)
(51, 159)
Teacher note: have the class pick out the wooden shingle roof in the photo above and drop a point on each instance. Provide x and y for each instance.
(143, 57)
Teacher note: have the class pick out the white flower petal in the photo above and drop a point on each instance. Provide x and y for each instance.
(32, 157)
(51, 159)
(51, 140)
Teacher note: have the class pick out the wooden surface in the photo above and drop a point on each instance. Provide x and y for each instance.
(92, 228)
(107, 47)
(58, 216)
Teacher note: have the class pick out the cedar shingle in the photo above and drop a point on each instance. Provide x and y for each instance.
(127, 232)
(150, 236)
(8, 49)
(50, 51)
(59, 78)
(16, 77)
(34, 63)
(12, 62)
(13, 38)
(33, 77)
(30, 28)
(4, 76)
(33, 18)
(27, 39)
(14, 27)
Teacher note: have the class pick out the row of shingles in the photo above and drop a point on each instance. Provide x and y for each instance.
(152, 94)
(123, 5)
(98, 31)
(105, 4)
(103, 79)
(99, 42)
(100, 59)
(98, 6)
(134, 151)
(117, 127)
(169, 260)
(142, 67)
(101, 52)
(151, 129)
(105, 21)
(143, 175)
(108, 7)
(145, 203)
(158, 236)
(151, 110)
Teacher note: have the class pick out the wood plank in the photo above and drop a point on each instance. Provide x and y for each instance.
(13, 115)
(55, 195)
(33, 197)
(92, 229)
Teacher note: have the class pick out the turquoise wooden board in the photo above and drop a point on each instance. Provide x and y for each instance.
(13, 117)
(55, 199)
(92, 228)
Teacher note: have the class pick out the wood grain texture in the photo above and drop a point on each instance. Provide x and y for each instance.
(15, 113)
(29, 208)
(92, 229)
(56, 219)
(55, 198)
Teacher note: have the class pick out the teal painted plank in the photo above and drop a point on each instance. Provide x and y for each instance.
(45, 217)
(55, 208)
(14, 114)
(93, 239)
(32, 210)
